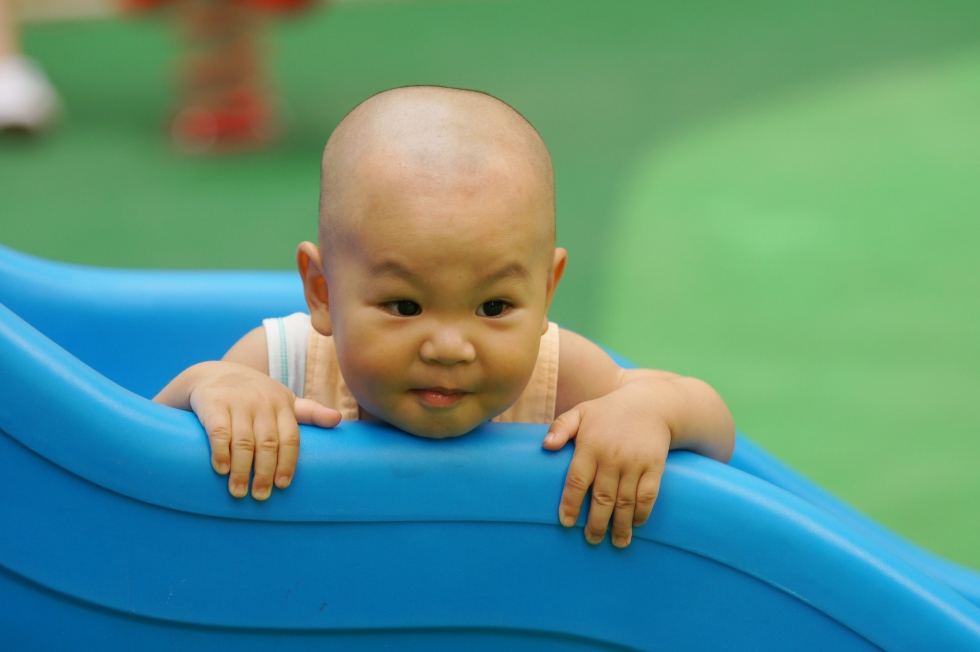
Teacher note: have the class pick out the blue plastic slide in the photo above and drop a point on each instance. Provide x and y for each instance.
(116, 535)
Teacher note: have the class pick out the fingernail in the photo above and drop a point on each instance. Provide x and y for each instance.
(238, 490)
(567, 521)
(621, 542)
(223, 468)
(283, 482)
(593, 539)
(550, 437)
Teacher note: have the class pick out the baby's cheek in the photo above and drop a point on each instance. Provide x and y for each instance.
(508, 375)
(378, 362)
(374, 376)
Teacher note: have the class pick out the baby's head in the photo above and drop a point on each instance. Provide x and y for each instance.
(436, 262)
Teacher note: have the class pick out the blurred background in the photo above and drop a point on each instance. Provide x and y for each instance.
(782, 198)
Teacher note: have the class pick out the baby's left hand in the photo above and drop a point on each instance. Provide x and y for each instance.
(621, 449)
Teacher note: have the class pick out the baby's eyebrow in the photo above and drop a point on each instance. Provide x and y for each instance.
(391, 268)
(513, 270)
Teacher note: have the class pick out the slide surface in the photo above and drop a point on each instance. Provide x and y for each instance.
(119, 535)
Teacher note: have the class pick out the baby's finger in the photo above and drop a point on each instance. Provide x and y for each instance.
(604, 491)
(288, 448)
(242, 449)
(563, 429)
(622, 524)
(266, 432)
(217, 425)
(311, 413)
(646, 495)
(581, 472)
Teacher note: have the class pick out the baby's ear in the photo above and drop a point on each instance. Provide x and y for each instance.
(557, 270)
(315, 287)
(554, 277)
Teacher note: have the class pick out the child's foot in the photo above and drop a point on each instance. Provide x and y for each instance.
(27, 100)
(243, 126)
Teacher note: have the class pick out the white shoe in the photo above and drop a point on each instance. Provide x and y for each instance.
(27, 100)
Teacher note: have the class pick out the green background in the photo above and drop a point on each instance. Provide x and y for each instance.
(781, 198)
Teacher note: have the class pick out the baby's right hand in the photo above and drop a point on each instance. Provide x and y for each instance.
(249, 417)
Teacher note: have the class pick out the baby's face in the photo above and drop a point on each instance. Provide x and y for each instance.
(438, 296)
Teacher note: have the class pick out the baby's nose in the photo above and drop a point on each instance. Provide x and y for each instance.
(447, 346)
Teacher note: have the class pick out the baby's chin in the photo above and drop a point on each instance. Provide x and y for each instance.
(432, 428)
(436, 424)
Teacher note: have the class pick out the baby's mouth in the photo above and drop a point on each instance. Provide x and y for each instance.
(439, 396)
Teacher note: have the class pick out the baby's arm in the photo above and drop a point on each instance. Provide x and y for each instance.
(625, 421)
(247, 415)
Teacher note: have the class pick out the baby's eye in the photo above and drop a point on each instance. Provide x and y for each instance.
(404, 308)
(491, 308)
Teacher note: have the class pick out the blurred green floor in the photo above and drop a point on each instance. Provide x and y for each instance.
(780, 198)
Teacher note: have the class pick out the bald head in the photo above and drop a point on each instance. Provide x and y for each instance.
(433, 137)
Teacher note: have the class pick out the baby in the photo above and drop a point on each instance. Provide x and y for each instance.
(428, 298)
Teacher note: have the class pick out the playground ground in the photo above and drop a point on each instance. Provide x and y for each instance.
(780, 198)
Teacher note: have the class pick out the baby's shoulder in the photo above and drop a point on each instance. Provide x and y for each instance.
(585, 371)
